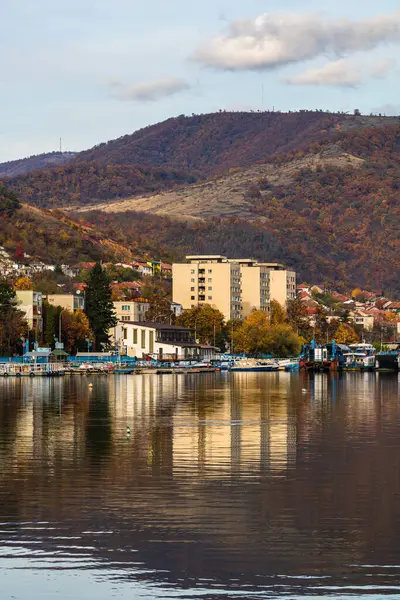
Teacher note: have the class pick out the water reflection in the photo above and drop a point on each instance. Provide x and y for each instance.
(227, 483)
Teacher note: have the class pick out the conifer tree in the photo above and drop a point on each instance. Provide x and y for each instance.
(12, 322)
(99, 306)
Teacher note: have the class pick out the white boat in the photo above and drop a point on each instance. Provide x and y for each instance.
(362, 357)
(253, 365)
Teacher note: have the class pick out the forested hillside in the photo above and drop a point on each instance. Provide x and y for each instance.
(53, 237)
(79, 183)
(14, 168)
(213, 143)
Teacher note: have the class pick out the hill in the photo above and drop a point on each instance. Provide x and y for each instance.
(180, 151)
(333, 213)
(14, 168)
(211, 144)
(53, 237)
(79, 183)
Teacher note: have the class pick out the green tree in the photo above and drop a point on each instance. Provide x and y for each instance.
(9, 202)
(50, 323)
(99, 306)
(12, 322)
(207, 322)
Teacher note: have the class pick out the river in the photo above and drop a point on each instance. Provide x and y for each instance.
(219, 485)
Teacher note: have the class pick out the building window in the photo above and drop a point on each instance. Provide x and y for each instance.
(209, 280)
(210, 270)
(210, 297)
(192, 271)
(192, 289)
(192, 298)
(125, 318)
(192, 280)
(135, 336)
(143, 338)
(125, 334)
(126, 307)
(209, 288)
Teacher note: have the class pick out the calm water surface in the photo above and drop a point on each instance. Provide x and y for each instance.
(262, 485)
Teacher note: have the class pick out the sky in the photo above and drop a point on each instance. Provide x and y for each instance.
(92, 70)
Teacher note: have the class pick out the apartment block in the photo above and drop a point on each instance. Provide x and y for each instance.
(234, 286)
(208, 280)
(254, 286)
(70, 302)
(282, 282)
(134, 310)
(30, 303)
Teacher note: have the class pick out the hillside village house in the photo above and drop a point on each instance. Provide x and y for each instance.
(159, 341)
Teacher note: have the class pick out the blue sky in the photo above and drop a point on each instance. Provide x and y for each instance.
(92, 70)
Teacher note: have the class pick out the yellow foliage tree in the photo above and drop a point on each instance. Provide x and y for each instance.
(278, 314)
(345, 334)
(23, 284)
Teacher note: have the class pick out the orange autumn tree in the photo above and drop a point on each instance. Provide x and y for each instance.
(75, 330)
(23, 284)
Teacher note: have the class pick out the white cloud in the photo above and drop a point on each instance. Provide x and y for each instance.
(273, 40)
(149, 91)
(342, 73)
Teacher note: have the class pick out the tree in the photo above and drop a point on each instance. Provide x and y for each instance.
(206, 321)
(251, 337)
(256, 335)
(297, 317)
(9, 202)
(278, 314)
(282, 341)
(75, 330)
(23, 283)
(99, 306)
(160, 311)
(12, 322)
(345, 334)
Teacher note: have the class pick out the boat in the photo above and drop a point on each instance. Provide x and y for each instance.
(389, 360)
(360, 358)
(254, 366)
(323, 357)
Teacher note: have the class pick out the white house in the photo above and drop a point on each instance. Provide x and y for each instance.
(159, 340)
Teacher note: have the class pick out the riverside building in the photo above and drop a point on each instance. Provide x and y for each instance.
(233, 286)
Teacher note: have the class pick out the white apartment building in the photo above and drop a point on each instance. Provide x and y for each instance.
(233, 286)
(132, 310)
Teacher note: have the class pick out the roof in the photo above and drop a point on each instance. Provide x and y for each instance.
(59, 353)
(160, 326)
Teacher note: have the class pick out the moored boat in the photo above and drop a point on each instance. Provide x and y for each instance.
(254, 366)
(361, 358)
(389, 360)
